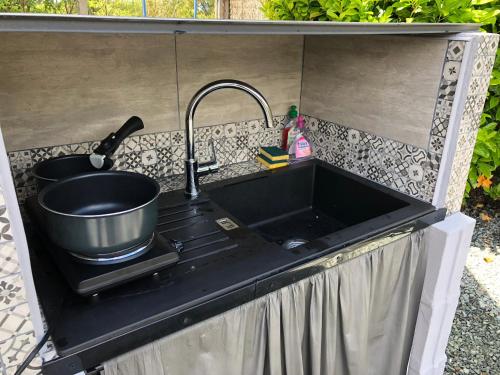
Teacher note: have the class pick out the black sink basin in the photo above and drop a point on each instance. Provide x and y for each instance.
(305, 202)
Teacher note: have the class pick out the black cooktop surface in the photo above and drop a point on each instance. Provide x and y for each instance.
(86, 279)
(211, 260)
(182, 227)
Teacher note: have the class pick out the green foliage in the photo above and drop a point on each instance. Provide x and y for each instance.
(485, 161)
(114, 8)
(155, 8)
(180, 9)
(489, 131)
(484, 167)
(484, 11)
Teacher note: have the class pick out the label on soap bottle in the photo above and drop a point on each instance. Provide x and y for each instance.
(302, 148)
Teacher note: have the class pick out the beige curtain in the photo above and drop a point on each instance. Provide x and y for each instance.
(356, 318)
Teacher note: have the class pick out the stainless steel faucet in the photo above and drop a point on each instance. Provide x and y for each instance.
(194, 169)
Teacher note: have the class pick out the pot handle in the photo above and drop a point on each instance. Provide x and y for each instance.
(110, 144)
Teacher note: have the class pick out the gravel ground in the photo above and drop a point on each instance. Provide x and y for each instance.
(474, 345)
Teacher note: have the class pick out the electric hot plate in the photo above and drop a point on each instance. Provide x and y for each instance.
(86, 277)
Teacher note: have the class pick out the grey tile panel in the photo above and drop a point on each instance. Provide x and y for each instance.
(272, 64)
(69, 88)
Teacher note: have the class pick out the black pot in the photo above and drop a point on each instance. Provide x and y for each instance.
(55, 169)
(58, 168)
(101, 215)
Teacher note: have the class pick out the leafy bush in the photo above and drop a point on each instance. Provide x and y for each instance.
(485, 161)
(155, 8)
(486, 157)
(484, 11)
(484, 167)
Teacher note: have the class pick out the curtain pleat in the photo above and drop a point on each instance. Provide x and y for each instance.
(356, 318)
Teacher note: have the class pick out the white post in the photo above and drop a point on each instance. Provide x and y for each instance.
(447, 244)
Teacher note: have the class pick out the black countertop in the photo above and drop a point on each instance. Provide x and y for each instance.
(232, 268)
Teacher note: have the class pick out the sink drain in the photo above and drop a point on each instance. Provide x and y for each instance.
(293, 243)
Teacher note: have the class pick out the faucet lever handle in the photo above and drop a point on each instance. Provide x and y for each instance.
(210, 166)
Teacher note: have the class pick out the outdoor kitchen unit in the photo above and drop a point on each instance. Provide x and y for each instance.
(173, 243)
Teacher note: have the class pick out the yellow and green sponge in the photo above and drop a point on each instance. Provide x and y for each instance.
(272, 157)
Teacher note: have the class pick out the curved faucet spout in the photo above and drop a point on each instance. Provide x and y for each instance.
(193, 169)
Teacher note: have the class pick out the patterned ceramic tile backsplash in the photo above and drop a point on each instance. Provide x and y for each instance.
(158, 155)
(469, 123)
(394, 164)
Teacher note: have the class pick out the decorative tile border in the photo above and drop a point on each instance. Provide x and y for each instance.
(446, 95)
(157, 155)
(469, 123)
(402, 167)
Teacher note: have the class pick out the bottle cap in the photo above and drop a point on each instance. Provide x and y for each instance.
(292, 113)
